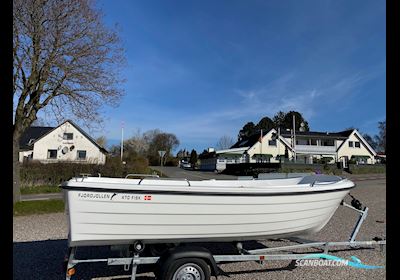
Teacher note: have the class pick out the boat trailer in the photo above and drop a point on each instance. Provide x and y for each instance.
(191, 262)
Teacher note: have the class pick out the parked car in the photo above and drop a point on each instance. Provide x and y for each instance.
(185, 165)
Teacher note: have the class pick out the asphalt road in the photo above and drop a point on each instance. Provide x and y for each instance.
(40, 242)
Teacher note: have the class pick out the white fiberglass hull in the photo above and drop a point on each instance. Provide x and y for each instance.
(158, 212)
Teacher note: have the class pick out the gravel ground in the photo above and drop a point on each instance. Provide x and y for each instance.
(40, 245)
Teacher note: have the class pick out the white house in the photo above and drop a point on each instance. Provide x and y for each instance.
(303, 146)
(64, 143)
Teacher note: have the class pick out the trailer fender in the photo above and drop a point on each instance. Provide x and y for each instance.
(181, 252)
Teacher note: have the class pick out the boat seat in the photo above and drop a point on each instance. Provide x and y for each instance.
(310, 179)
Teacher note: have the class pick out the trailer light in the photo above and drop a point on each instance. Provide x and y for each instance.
(262, 258)
(71, 271)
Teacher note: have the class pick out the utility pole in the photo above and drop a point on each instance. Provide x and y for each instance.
(294, 137)
(277, 143)
(122, 140)
(261, 155)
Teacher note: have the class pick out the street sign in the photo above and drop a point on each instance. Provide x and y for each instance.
(161, 153)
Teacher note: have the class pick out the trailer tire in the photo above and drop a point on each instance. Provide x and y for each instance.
(196, 268)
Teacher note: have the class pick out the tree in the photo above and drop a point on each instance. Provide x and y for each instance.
(279, 119)
(139, 143)
(66, 63)
(288, 121)
(381, 137)
(247, 130)
(39, 122)
(193, 157)
(370, 140)
(265, 124)
(102, 141)
(225, 142)
(161, 142)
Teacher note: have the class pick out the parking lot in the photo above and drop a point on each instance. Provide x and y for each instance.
(40, 244)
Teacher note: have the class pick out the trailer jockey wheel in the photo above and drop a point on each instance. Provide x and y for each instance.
(186, 269)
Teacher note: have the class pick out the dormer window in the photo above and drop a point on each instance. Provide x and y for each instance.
(68, 136)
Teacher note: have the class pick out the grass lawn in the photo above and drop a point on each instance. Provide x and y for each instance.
(40, 189)
(24, 208)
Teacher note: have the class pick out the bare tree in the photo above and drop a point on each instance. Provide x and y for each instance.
(66, 62)
(137, 143)
(102, 141)
(381, 137)
(225, 142)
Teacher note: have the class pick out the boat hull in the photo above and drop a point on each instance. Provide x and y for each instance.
(116, 218)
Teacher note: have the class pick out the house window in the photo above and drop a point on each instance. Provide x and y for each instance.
(313, 142)
(328, 142)
(301, 142)
(68, 136)
(351, 144)
(51, 153)
(357, 144)
(81, 154)
(272, 143)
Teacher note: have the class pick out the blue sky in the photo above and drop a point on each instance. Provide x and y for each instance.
(202, 69)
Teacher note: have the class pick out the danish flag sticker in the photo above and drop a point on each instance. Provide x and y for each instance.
(147, 197)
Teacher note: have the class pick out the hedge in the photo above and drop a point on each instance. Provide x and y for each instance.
(36, 173)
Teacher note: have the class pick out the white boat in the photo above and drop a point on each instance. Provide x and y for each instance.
(116, 211)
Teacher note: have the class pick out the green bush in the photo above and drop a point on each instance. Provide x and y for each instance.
(36, 173)
(172, 162)
(367, 168)
(303, 168)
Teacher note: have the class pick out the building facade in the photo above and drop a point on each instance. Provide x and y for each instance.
(64, 143)
(301, 147)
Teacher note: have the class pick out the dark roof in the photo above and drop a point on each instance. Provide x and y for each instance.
(45, 130)
(340, 134)
(247, 142)
(33, 132)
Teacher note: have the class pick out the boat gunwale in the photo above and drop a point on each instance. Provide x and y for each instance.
(204, 193)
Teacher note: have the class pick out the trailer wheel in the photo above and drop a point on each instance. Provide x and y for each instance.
(186, 269)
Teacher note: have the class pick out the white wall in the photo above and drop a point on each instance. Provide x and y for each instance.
(345, 150)
(24, 154)
(264, 148)
(54, 140)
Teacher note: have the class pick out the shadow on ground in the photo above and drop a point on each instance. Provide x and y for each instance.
(44, 260)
